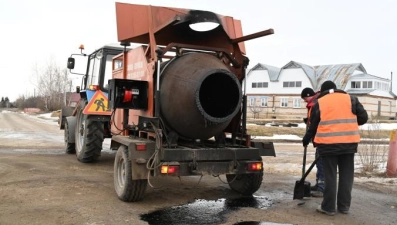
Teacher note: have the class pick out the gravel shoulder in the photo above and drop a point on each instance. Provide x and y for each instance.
(42, 185)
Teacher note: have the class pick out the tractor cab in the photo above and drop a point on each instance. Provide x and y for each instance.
(98, 67)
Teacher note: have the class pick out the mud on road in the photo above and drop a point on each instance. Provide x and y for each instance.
(40, 184)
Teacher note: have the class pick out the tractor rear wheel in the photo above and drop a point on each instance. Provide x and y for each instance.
(245, 184)
(89, 136)
(127, 190)
(69, 147)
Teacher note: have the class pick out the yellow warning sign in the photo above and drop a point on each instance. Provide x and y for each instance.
(98, 105)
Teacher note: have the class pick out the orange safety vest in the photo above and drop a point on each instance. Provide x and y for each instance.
(337, 124)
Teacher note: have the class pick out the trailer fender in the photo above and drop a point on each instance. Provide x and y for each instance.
(139, 171)
(71, 120)
(65, 112)
(139, 159)
(138, 162)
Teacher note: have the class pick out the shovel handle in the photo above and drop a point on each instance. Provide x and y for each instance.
(304, 161)
(308, 171)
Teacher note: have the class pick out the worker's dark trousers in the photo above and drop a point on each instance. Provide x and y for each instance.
(319, 174)
(341, 194)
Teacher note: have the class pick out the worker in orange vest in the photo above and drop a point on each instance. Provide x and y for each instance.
(334, 122)
(310, 97)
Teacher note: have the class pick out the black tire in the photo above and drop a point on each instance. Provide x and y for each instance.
(89, 137)
(69, 147)
(127, 190)
(245, 184)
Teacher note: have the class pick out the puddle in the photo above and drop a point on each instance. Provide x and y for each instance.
(204, 212)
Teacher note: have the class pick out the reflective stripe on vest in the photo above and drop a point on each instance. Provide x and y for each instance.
(337, 124)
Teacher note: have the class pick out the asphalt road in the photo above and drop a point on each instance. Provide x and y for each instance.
(40, 184)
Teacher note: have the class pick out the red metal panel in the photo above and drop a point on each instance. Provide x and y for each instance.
(133, 21)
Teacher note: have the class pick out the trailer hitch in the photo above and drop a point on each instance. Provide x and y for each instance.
(235, 162)
(193, 164)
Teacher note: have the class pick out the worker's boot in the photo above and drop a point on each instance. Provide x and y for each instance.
(314, 188)
(317, 194)
(319, 191)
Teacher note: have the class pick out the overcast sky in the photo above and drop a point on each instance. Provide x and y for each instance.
(312, 32)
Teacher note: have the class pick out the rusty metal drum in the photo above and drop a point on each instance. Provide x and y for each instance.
(199, 95)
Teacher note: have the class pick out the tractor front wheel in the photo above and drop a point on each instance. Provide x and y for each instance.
(89, 136)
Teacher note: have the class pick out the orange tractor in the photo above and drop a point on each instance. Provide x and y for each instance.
(172, 106)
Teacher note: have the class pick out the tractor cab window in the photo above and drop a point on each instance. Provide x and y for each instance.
(94, 76)
(93, 72)
(108, 71)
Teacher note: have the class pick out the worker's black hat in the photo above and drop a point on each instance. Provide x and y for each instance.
(307, 92)
(327, 85)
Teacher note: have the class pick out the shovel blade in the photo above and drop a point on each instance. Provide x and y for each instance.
(302, 189)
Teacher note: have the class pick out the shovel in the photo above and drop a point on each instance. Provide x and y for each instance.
(302, 187)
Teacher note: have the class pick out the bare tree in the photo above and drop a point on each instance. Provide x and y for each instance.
(255, 109)
(52, 84)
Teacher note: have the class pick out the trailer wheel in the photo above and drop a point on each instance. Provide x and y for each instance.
(69, 147)
(245, 184)
(89, 137)
(127, 189)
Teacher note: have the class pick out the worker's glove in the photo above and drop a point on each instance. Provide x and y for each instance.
(315, 144)
(305, 141)
(305, 120)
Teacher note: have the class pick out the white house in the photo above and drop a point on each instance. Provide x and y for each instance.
(275, 92)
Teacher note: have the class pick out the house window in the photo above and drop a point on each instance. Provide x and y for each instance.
(355, 84)
(297, 103)
(390, 106)
(367, 84)
(377, 85)
(260, 85)
(283, 102)
(252, 101)
(289, 84)
(264, 101)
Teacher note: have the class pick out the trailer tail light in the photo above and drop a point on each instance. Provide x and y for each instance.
(93, 87)
(169, 169)
(255, 166)
(141, 147)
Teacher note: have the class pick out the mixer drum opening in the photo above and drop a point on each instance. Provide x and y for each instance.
(219, 95)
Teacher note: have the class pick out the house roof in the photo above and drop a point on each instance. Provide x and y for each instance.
(271, 70)
(359, 91)
(369, 76)
(354, 91)
(74, 97)
(338, 73)
(309, 70)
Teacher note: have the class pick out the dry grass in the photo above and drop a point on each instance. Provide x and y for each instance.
(261, 130)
